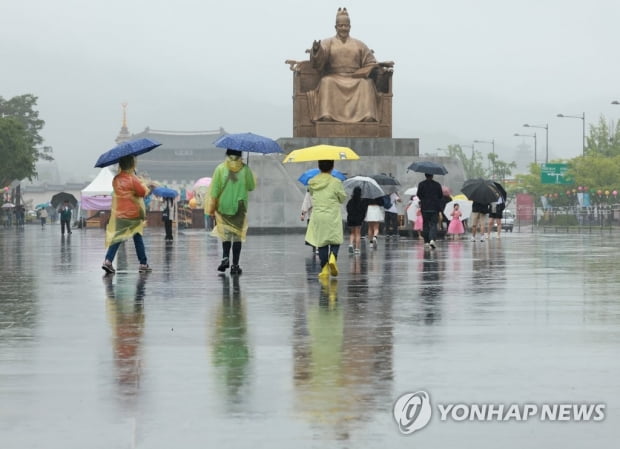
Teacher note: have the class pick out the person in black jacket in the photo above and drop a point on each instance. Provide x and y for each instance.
(356, 212)
(430, 195)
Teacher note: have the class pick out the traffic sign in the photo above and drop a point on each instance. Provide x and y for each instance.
(554, 174)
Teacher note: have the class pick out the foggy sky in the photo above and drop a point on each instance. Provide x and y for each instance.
(464, 70)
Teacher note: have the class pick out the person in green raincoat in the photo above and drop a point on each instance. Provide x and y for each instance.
(325, 229)
(228, 201)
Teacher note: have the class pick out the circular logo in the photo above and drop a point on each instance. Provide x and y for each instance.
(412, 411)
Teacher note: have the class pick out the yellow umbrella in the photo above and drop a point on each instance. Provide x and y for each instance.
(321, 153)
(460, 197)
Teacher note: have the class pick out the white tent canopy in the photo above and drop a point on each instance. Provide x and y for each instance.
(98, 194)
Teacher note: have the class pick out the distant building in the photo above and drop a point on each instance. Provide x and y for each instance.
(182, 158)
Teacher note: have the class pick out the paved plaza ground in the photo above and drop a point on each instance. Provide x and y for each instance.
(184, 357)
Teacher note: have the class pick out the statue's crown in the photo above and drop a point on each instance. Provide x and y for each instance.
(342, 12)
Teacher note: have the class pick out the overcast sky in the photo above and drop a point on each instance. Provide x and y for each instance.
(465, 70)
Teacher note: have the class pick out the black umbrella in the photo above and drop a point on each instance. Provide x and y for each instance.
(501, 190)
(480, 190)
(387, 182)
(61, 197)
(432, 168)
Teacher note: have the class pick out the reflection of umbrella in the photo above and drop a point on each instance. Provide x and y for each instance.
(370, 188)
(411, 191)
(320, 153)
(61, 197)
(129, 148)
(206, 182)
(165, 192)
(7, 205)
(388, 183)
(252, 143)
(464, 206)
(501, 190)
(480, 190)
(428, 167)
(309, 174)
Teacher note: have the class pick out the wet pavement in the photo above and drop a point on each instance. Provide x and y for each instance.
(184, 357)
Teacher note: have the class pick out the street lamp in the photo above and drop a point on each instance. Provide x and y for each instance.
(581, 117)
(472, 150)
(546, 128)
(492, 142)
(534, 136)
(615, 102)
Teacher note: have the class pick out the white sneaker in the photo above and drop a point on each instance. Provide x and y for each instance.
(473, 239)
(482, 239)
(432, 243)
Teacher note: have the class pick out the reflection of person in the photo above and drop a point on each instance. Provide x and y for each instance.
(128, 215)
(345, 92)
(456, 226)
(228, 201)
(325, 229)
(430, 195)
(65, 218)
(126, 316)
(356, 212)
(231, 353)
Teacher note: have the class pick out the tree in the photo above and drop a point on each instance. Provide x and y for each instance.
(472, 166)
(21, 145)
(18, 159)
(602, 140)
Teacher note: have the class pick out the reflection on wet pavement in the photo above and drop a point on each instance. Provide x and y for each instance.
(187, 357)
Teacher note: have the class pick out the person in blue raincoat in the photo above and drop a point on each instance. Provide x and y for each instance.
(325, 229)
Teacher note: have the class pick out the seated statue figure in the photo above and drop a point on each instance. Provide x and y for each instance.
(346, 93)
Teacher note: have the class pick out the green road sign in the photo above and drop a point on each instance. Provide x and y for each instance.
(554, 174)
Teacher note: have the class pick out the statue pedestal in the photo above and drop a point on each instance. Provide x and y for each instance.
(347, 130)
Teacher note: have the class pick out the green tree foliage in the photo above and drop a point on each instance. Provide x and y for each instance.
(472, 165)
(18, 159)
(500, 170)
(603, 140)
(21, 145)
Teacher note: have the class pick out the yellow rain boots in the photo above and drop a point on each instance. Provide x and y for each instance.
(325, 271)
(333, 268)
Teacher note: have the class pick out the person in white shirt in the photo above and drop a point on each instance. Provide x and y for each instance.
(391, 217)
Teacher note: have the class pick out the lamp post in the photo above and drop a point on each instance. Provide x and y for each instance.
(492, 142)
(581, 117)
(535, 150)
(472, 150)
(546, 128)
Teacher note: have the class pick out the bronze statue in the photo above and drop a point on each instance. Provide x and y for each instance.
(345, 92)
(342, 84)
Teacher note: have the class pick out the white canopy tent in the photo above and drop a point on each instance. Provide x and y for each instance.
(98, 194)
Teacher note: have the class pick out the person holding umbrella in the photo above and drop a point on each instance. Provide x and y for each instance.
(430, 194)
(128, 215)
(228, 202)
(325, 229)
(65, 218)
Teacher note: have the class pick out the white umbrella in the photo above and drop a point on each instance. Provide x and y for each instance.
(412, 191)
(464, 207)
(7, 205)
(370, 188)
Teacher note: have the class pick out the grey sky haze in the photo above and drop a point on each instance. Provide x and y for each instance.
(464, 70)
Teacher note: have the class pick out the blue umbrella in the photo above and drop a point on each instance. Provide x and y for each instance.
(252, 143)
(129, 148)
(165, 192)
(432, 168)
(309, 174)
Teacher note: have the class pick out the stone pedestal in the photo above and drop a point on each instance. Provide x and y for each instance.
(276, 203)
